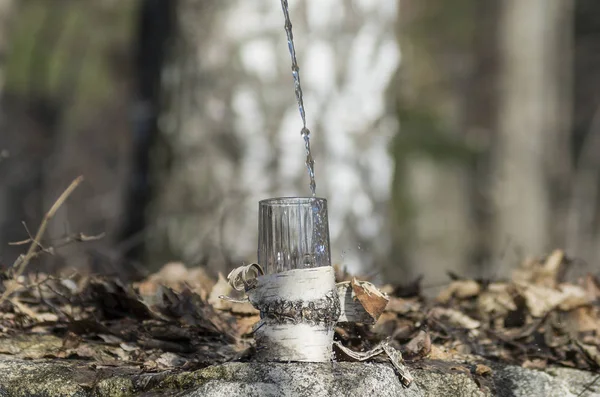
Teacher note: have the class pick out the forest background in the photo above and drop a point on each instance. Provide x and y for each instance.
(457, 136)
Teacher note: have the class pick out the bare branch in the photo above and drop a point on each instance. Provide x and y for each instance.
(22, 262)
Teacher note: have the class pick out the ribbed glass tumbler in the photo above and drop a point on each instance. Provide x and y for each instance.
(293, 233)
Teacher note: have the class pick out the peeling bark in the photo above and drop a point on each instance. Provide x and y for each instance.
(299, 309)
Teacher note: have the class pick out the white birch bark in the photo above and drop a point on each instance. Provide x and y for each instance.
(291, 328)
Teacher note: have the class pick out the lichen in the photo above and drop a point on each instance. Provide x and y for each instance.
(183, 380)
(41, 379)
(119, 386)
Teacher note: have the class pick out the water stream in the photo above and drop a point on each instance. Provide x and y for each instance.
(305, 132)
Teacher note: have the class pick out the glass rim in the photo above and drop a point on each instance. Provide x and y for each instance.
(286, 201)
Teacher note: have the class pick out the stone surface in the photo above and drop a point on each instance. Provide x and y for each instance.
(340, 379)
(83, 378)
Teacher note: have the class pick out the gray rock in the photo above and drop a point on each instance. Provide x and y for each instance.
(577, 381)
(358, 379)
(299, 380)
(512, 381)
(23, 378)
(53, 378)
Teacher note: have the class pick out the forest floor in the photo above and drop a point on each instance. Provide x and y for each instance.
(175, 320)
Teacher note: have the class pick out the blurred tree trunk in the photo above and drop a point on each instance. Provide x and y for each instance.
(532, 156)
(498, 180)
(583, 228)
(445, 122)
(64, 102)
(154, 33)
(6, 11)
(31, 119)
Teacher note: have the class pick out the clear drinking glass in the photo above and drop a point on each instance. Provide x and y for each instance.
(293, 233)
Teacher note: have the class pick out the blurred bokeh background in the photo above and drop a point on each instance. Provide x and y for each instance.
(455, 135)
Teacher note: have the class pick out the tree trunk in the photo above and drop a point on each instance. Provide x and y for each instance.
(532, 160)
(64, 104)
(583, 233)
(434, 150)
(154, 33)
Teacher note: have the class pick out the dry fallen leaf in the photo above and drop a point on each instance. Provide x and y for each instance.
(442, 353)
(221, 288)
(584, 319)
(372, 300)
(170, 360)
(547, 272)
(244, 325)
(460, 289)
(71, 341)
(536, 363)
(574, 296)
(402, 305)
(496, 300)
(454, 318)
(482, 370)
(591, 351)
(592, 286)
(177, 276)
(419, 346)
(540, 300)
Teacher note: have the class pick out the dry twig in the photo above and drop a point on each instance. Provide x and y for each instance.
(22, 262)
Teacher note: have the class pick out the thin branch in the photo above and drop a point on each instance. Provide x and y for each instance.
(22, 262)
(588, 386)
(27, 241)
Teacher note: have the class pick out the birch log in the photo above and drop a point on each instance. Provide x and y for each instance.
(299, 309)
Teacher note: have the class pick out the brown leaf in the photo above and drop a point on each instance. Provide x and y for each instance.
(536, 363)
(245, 309)
(441, 353)
(591, 351)
(496, 300)
(373, 300)
(244, 325)
(170, 360)
(71, 341)
(482, 370)
(177, 276)
(540, 299)
(83, 351)
(553, 269)
(543, 272)
(419, 346)
(584, 319)
(574, 296)
(455, 318)
(460, 289)
(592, 287)
(116, 299)
(402, 306)
(222, 287)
